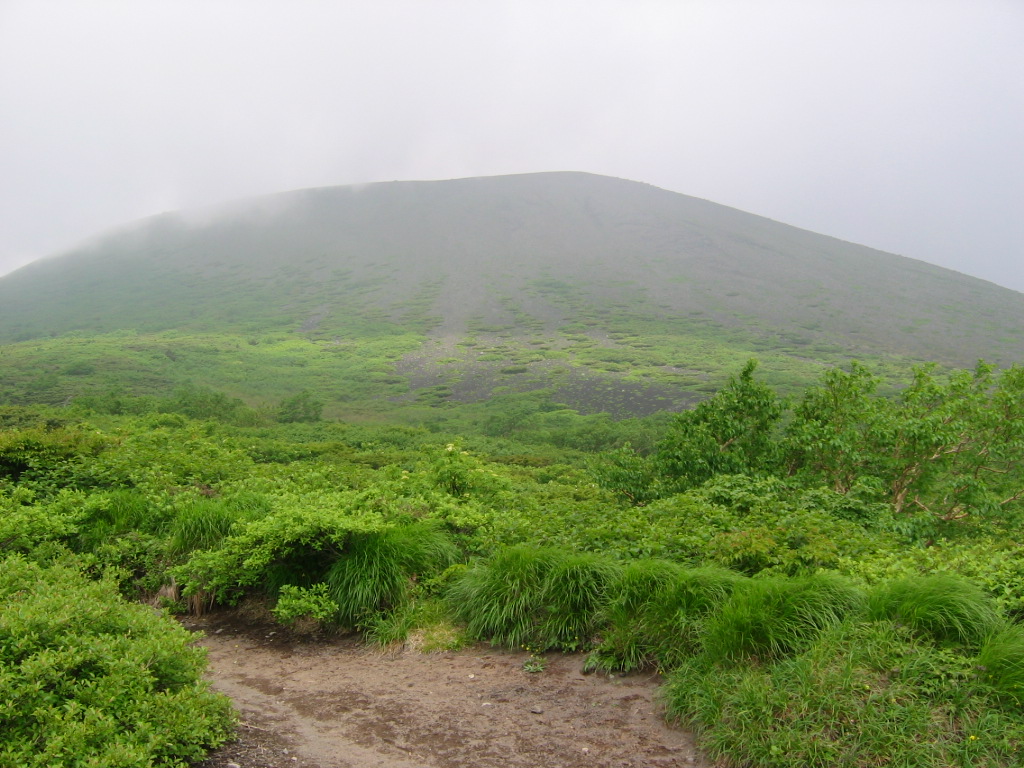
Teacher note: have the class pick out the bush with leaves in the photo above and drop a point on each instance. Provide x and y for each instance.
(732, 432)
(303, 407)
(295, 604)
(45, 457)
(295, 544)
(89, 679)
(951, 444)
(206, 404)
(25, 524)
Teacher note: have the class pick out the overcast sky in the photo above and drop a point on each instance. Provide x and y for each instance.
(898, 124)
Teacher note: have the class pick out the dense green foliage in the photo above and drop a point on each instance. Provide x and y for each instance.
(951, 445)
(87, 678)
(841, 563)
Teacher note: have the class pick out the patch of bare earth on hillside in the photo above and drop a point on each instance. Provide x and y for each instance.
(442, 362)
(334, 703)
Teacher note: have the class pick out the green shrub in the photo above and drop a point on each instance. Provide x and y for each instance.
(31, 454)
(295, 545)
(138, 562)
(89, 679)
(941, 606)
(296, 603)
(301, 407)
(24, 526)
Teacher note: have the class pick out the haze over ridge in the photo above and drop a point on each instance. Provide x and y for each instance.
(476, 249)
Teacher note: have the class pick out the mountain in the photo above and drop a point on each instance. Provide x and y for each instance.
(557, 274)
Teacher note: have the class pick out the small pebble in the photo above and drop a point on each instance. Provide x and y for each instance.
(537, 710)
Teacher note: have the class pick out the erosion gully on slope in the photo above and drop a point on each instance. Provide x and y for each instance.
(334, 703)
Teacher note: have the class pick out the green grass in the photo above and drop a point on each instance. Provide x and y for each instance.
(200, 524)
(500, 600)
(1001, 663)
(656, 613)
(376, 571)
(941, 606)
(770, 618)
(860, 695)
(574, 591)
(115, 513)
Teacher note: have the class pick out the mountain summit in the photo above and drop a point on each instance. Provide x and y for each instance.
(535, 255)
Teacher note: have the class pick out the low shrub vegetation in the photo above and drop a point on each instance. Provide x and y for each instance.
(90, 679)
(830, 579)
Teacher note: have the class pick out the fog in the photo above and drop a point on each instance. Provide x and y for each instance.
(894, 125)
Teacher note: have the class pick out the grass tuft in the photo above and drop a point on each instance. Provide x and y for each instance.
(574, 590)
(201, 524)
(115, 513)
(774, 617)
(378, 570)
(656, 612)
(1001, 663)
(942, 606)
(498, 599)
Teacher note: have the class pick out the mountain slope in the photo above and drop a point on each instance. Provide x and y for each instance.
(530, 259)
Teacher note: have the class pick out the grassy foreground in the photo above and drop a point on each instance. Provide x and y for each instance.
(805, 608)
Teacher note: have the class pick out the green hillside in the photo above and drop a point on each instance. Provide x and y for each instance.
(610, 294)
(435, 414)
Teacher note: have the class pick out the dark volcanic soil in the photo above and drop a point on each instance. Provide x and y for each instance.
(337, 704)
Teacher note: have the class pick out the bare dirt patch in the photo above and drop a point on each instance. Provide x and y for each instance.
(334, 703)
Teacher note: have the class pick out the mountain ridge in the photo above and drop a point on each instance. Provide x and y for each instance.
(521, 271)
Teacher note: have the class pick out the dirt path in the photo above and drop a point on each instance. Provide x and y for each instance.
(337, 704)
